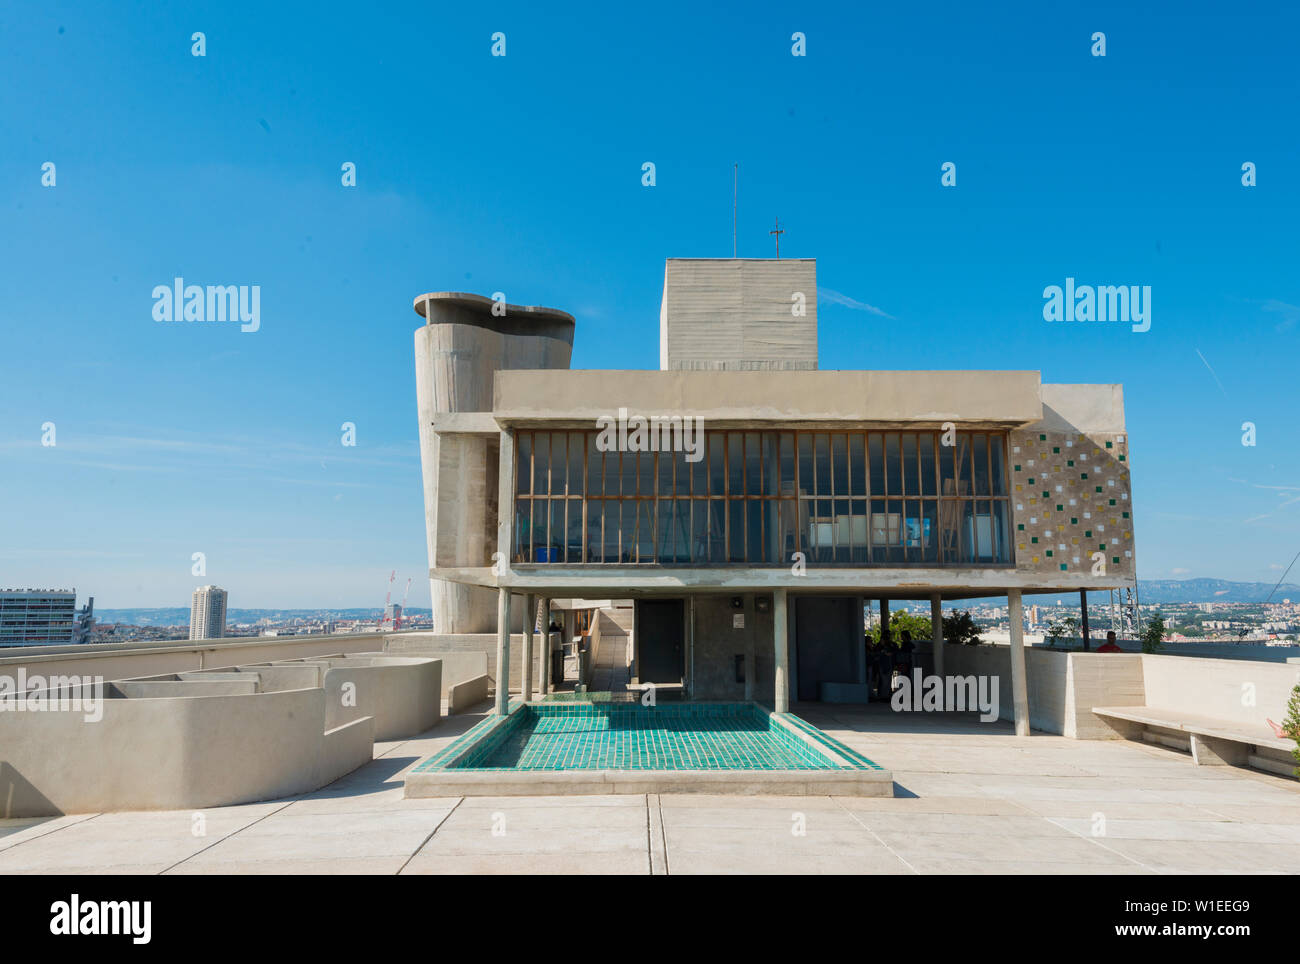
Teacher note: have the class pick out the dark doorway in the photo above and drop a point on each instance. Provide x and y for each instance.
(828, 634)
(661, 640)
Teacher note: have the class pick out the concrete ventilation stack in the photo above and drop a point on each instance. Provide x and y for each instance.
(457, 353)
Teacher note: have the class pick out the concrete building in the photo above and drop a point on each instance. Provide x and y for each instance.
(37, 617)
(208, 613)
(748, 501)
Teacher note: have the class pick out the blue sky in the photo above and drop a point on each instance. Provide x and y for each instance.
(522, 174)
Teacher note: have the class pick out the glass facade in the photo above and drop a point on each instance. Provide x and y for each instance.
(756, 498)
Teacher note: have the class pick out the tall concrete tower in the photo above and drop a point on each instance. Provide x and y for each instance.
(208, 613)
(461, 347)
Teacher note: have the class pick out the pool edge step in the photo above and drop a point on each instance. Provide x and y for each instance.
(449, 783)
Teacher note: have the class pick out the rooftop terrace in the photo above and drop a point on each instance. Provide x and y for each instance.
(986, 802)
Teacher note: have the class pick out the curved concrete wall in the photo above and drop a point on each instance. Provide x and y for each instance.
(174, 754)
(457, 354)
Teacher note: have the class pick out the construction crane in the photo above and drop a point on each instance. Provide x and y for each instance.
(383, 616)
(397, 617)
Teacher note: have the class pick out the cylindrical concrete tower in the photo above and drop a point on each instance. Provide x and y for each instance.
(458, 351)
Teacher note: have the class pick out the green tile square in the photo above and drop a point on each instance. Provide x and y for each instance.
(1021, 527)
(1112, 501)
(1062, 567)
(1074, 521)
(1087, 534)
(1049, 553)
(1109, 445)
(1056, 450)
(1017, 468)
(1125, 515)
(1034, 540)
(1042, 438)
(1060, 508)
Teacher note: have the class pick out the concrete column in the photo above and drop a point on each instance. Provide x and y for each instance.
(884, 620)
(1019, 689)
(780, 632)
(503, 651)
(530, 619)
(545, 612)
(936, 631)
(1083, 605)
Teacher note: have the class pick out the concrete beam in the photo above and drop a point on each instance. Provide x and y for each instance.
(625, 581)
(464, 423)
(987, 398)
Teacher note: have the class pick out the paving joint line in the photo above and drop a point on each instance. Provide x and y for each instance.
(287, 803)
(426, 840)
(75, 823)
(853, 816)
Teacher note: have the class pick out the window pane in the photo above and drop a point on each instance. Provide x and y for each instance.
(876, 452)
(699, 530)
(857, 465)
(645, 473)
(595, 460)
(893, 465)
(805, 464)
(822, 463)
(735, 463)
(645, 531)
(753, 464)
(577, 449)
(925, 443)
(754, 531)
(612, 531)
(541, 462)
(627, 473)
(664, 472)
(948, 469)
(981, 458)
(592, 543)
(787, 464)
(523, 463)
(771, 463)
(859, 550)
(682, 470)
(997, 456)
(700, 469)
(911, 466)
(736, 530)
(718, 464)
(839, 465)
(559, 463)
(573, 542)
(628, 529)
(717, 530)
(964, 463)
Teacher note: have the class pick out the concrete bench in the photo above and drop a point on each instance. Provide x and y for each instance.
(1213, 741)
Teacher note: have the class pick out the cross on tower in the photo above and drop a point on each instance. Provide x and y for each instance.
(776, 233)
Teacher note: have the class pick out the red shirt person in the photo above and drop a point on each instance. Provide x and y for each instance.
(1109, 646)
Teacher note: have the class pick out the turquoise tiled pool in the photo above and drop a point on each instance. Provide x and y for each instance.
(686, 736)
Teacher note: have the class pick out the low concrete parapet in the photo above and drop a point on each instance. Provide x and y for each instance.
(467, 693)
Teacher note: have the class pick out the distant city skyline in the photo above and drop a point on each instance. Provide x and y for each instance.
(129, 444)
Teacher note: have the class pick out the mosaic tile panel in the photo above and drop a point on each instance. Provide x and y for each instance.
(691, 736)
(1071, 503)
